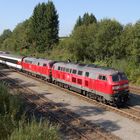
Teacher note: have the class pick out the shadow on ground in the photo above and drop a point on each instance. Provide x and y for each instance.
(134, 99)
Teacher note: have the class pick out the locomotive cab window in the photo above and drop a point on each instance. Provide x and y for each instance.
(119, 77)
(102, 77)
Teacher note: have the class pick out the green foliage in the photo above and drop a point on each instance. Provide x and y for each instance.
(13, 124)
(11, 110)
(6, 34)
(19, 39)
(44, 27)
(97, 41)
(9, 104)
(130, 67)
(87, 19)
(107, 39)
(35, 131)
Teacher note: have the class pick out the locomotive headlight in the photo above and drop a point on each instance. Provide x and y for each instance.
(125, 85)
(115, 87)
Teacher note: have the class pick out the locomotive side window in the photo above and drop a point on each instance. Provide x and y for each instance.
(28, 61)
(58, 67)
(70, 70)
(67, 70)
(80, 72)
(63, 69)
(102, 77)
(74, 71)
(44, 65)
(87, 74)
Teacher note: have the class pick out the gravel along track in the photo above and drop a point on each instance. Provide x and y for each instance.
(112, 122)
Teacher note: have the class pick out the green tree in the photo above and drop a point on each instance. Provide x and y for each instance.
(107, 38)
(19, 39)
(87, 19)
(6, 34)
(45, 26)
(78, 22)
(83, 39)
(130, 40)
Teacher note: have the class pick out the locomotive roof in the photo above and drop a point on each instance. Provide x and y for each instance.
(11, 56)
(38, 60)
(88, 68)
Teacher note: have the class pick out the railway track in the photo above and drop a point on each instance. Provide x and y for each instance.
(134, 89)
(128, 111)
(79, 128)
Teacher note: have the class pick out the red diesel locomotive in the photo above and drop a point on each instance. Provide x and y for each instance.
(38, 67)
(100, 83)
(104, 84)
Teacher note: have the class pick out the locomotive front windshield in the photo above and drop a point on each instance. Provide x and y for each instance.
(119, 77)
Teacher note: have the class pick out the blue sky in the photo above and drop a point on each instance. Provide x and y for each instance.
(13, 12)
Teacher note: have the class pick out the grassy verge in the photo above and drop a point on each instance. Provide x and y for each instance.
(15, 126)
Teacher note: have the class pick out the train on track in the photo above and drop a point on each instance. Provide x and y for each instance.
(101, 83)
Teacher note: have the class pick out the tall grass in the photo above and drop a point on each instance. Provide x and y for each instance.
(35, 131)
(9, 109)
(14, 124)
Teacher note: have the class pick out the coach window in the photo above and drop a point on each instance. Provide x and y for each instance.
(87, 74)
(80, 72)
(74, 71)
